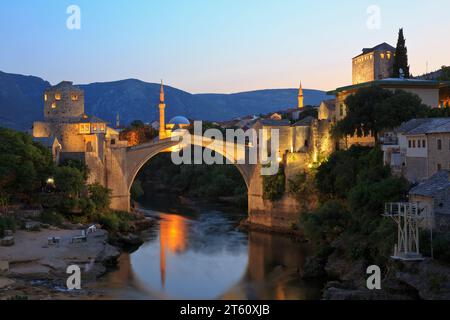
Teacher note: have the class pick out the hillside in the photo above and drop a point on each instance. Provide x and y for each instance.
(21, 101)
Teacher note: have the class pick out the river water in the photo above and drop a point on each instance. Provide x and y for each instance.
(202, 255)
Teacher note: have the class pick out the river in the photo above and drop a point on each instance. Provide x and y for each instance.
(202, 255)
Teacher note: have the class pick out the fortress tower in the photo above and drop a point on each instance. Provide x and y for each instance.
(63, 102)
(373, 64)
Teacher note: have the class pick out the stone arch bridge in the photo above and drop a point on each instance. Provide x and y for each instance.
(122, 165)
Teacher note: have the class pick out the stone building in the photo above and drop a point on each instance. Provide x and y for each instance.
(373, 64)
(419, 148)
(433, 195)
(71, 133)
(373, 68)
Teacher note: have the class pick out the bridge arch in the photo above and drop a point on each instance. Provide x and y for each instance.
(138, 156)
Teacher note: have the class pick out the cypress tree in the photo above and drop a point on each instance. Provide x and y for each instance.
(401, 57)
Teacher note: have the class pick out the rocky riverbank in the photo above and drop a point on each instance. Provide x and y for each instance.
(425, 280)
(34, 269)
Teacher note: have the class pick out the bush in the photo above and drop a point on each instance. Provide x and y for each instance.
(274, 186)
(51, 217)
(117, 221)
(326, 223)
(7, 223)
(100, 196)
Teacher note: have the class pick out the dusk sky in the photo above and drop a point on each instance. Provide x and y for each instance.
(214, 45)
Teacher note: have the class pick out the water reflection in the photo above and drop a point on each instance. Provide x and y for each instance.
(204, 257)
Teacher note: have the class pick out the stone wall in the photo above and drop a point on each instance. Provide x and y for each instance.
(363, 69)
(63, 101)
(438, 157)
(415, 169)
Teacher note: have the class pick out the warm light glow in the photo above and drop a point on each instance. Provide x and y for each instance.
(279, 159)
(50, 181)
(74, 97)
(45, 97)
(54, 105)
(57, 96)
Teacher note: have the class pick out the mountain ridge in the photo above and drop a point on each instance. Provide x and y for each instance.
(21, 101)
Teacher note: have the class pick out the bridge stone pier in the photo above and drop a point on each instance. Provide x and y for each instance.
(122, 164)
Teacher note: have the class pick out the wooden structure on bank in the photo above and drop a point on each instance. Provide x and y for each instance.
(409, 217)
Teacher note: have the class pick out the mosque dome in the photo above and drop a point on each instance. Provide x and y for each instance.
(180, 120)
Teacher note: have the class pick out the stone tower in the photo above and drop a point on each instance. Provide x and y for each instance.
(63, 101)
(162, 107)
(300, 97)
(373, 64)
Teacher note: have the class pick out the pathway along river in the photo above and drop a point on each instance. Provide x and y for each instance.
(203, 256)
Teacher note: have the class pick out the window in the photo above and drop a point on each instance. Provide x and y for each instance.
(439, 144)
(414, 143)
(439, 167)
(409, 144)
(382, 55)
(424, 144)
(58, 96)
(389, 55)
(306, 143)
(54, 105)
(102, 127)
(45, 97)
(74, 97)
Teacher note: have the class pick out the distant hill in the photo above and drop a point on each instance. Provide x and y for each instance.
(21, 101)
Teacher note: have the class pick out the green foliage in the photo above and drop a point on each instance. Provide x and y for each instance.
(196, 181)
(7, 223)
(69, 180)
(136, 124)
(445, 74)
(303, 188)
(326, 223)
(373, 109)
(52, 218)
(76, 164)
(354, 185)
(117, 221)
(401, 57)
(441, 243)
(439, 112)
(24, 165)
(99, 196)
(274, 186)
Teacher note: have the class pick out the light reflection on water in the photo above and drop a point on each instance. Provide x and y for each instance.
(205, 257)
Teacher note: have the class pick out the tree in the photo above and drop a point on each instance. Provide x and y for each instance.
(445, 74)
(100, 196)
(69, 180)
(24, 165)
(136, 124)
(274, 185)
(401, 57)
(373, 109)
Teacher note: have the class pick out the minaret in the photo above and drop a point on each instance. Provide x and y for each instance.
(300, 97)
(117, 121)
(162, 107)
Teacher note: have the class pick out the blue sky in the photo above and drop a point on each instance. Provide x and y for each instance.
(214, 45)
